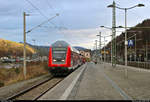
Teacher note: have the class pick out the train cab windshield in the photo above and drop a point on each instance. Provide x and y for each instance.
(59, 55)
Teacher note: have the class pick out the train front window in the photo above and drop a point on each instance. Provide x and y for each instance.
(59, 54)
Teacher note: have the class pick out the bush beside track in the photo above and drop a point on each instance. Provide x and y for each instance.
(13, 75)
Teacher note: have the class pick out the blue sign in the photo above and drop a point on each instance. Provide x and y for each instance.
(130, 43)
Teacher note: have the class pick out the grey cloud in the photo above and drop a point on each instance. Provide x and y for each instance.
(75, 15)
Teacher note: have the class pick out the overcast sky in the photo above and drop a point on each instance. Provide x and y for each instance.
(78, 22)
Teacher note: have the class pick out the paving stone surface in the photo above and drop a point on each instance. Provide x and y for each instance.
(136, 84)
(94, 86)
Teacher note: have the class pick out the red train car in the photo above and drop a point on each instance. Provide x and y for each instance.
(63, 58)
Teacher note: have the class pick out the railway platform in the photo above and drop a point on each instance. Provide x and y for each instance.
(102, 82)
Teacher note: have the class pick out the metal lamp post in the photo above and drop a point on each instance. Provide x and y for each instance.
(113, 57)
(100, 46)
(113, 45)
(111, 42)
(96, 50)
(126, 42)
(104, 52)
(104, 49)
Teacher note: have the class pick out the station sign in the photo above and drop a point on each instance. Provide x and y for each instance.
(102, 52)
(130, 43)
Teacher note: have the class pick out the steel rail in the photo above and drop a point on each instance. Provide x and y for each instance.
(47, 90)
(27, 90)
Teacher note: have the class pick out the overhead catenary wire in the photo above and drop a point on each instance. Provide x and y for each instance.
(61, 27)
(42, 14)
(51, 7)
(41, 24)
(36, 8)
(39, 10)
(55, 26)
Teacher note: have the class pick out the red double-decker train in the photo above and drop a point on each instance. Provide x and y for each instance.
(63, 58)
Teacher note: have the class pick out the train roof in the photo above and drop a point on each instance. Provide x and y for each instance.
(62, 43)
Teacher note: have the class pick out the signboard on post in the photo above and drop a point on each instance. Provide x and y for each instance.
(130, 43)
(102, 52)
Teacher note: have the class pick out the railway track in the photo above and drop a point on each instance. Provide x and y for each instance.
(36, 91)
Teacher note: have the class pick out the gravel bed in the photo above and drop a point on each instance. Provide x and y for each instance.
(34, 93)
(10, 90)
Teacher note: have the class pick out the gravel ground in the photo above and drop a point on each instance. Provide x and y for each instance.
(10, 65)
(136, 85)
(34, 93)
(17, 87)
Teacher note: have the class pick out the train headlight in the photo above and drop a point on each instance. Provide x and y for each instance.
(54, 60)
(62, 60)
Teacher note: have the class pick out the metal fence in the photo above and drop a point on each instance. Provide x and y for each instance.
(145, 65)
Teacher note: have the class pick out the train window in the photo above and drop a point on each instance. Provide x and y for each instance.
(59, 48)
(59, 54)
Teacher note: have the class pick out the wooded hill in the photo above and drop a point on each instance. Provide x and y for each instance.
(142, 40)
(11, 48)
